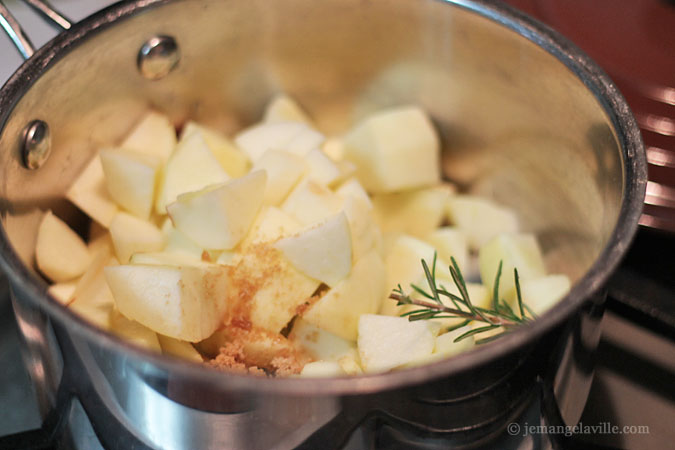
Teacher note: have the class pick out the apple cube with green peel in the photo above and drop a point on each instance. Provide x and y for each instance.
(540, 294)
(450, 242)
(231, 159)
(387, 342)
(154, 135)
(131, 178)
(284, 109)
(192, 167)
(311, 202)
(133, 235)
(219, 216)
(480, 218)
(179, 349)
(60, 253)
(133, 331)
(186, 303)
(322, 252)
(284, 170)
(339, 309)
(394, 150)
(89, 193)
(417, 212)
(513, 250)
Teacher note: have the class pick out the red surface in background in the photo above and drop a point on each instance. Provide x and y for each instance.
(634, 41)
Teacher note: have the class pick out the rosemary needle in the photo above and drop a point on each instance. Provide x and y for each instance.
(499, 316)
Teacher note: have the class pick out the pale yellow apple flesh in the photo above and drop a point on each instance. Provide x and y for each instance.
(218, 217)
(283, 172)
(154, 135)
(394, 150)
(339, 309)
(387, 342)
(284, 109)
(132, 235)
(322, 252)
(232, 160)
(131, 179)
(60, 253)
(191, 167)
(186, 303)
(89, 193)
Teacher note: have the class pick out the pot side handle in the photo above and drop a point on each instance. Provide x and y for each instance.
(16, 33)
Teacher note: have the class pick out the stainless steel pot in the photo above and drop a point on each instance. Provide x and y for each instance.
(524, 117)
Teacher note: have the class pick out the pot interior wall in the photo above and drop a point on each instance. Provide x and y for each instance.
(516, 124)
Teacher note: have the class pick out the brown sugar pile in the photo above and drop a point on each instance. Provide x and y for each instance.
(231, 359)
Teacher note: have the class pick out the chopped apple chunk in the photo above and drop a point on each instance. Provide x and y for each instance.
(321, 168)
(89, 193)
(179, 349)
(293, 137)
(541, 293)
(450, 242)
(133, 331)
(283, 172)
(513, 250)
(311, 202)
(270, 225)
(323, 252)
(228, 155)
(417, 212)
(191, 167)
(59, 252)
(480, 219)
(339, 309)
(132, 235)
(379, 335)
(284, 109)
(276, 289)
(219, 216)
(154, 135)
(131, 178)
(394, 150)
(319, 343)
(186, 303)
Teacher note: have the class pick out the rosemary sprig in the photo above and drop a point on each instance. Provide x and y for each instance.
(501, 315)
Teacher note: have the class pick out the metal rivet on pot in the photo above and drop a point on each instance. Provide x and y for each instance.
(158, 57)
(36, 144)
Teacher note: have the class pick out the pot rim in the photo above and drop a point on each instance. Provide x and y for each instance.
(30, 286)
